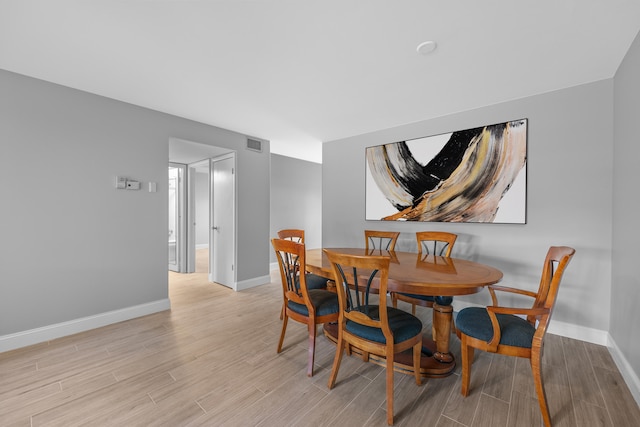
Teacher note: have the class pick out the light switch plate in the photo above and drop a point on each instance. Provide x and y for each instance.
(121, 182)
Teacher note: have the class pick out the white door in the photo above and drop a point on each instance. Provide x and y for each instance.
(222, 240)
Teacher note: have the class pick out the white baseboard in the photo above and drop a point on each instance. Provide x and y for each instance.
(569, 330)
(252, 283)
(627, 372)
(50, 332)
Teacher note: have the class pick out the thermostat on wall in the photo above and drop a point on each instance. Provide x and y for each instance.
(124, 183)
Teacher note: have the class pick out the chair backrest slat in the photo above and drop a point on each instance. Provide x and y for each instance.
(381, 240)
(293, 234)
(438, 243)
(555, 263)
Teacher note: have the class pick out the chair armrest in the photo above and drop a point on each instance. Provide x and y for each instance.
(493, 310)
(517, 310)
(494, 298)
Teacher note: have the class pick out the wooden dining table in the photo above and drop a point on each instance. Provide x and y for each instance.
(429, 275)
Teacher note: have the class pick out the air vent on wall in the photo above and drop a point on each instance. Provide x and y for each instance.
(254, 145)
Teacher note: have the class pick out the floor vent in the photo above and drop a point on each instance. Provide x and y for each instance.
(254, 145)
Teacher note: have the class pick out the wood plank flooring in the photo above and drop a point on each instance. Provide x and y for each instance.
(211, 361)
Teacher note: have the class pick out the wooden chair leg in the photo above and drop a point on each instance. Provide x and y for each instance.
(417, 355)
(394, 300)
(467, 359)
(284, 329)
(536, 369)
(282, 312)
(336, 361)
(389, 357)
(413, 309)
(312, 348)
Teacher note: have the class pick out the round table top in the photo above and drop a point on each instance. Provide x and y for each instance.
(410, 272)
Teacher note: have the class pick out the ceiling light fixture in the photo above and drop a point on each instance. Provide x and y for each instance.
(426, 48)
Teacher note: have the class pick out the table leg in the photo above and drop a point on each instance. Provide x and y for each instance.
(442, 316)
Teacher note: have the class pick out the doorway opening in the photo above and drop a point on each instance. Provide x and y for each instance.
(199, 225)
(202, 200)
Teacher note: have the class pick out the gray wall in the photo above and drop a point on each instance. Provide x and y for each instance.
(73, 245)
(625, 315)
(296, 198)
(569, 201)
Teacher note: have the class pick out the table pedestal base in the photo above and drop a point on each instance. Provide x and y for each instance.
(430, 367)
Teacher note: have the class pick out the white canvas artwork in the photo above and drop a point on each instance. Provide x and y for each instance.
(473, 175)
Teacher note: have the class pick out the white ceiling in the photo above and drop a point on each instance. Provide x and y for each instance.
(298, 72)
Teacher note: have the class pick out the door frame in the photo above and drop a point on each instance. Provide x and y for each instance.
(187, 219)
(181, 209)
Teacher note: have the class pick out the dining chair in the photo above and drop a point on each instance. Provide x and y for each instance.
(381, 240)
(296, 235)
(502, 330)
(438, 243)
(309, 306)
(313, 281)
(370, 325)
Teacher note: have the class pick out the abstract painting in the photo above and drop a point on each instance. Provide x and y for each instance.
(472, 175)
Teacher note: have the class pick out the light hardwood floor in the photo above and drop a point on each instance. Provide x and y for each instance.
(211, 361)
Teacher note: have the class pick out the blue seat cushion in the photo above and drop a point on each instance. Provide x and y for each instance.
(325, 302)
(514, 331)
(315, 282)
(429, 298)
(403, 325)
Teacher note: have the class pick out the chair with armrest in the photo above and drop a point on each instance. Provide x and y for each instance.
(380, 240)
(309, 306)
(371, 326)
(501, 329)
(438, 243)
